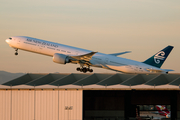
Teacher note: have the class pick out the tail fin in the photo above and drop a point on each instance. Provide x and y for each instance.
(158, 59)
(163, 108)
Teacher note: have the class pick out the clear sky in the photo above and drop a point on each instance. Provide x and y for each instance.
(108, 26)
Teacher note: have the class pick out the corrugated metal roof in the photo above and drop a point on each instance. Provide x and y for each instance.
(98, 80)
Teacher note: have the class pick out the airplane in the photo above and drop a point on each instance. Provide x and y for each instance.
(162, 110)
(63, 54)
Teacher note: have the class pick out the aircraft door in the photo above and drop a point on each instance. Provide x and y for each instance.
(106, 60)
(18, 41)
(138, 68)
(76, 53)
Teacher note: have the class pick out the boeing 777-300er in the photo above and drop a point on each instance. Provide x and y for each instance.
(63, 54)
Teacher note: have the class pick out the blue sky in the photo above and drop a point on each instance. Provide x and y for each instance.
(141, 26)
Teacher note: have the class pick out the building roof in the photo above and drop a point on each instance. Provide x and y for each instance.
(95, 81)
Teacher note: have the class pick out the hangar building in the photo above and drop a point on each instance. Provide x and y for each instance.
(87, 96)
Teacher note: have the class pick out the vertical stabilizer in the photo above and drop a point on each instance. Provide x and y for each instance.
(158, 59)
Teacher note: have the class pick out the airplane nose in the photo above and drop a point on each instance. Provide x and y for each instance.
(7, 40)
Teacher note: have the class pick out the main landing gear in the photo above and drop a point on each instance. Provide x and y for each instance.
(16, 53)
(84, 69)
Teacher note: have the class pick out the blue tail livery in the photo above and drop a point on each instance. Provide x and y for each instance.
(158, 59)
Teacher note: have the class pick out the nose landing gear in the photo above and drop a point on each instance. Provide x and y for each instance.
(84, 69)
(16, 53)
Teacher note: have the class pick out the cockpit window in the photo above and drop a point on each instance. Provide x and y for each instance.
(10, 38)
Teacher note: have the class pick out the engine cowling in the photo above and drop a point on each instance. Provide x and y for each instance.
(60, 58)
(168, 116)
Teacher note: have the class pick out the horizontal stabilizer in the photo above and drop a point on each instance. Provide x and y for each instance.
(154, 70)
(168, 70)
(121, 53)
(159, 70)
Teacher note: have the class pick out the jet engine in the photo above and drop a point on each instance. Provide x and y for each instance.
(168, 116)
(60, 58)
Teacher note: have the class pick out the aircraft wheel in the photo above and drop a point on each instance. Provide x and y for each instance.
(78, 69)
(84, 70)
(91, 70)
(16, 53)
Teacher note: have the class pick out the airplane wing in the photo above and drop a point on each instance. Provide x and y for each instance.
(83, 59)
(121, 53)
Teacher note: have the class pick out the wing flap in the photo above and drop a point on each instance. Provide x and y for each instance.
(85, 57)
(82, 59)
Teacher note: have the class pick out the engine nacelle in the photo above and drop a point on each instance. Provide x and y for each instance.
(168, 116)
(60, 58)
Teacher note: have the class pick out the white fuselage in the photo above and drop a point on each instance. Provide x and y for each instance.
(98, 60)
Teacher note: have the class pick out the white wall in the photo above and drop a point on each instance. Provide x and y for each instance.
(5, 105)
(41, 105)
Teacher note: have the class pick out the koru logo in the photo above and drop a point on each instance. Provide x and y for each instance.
(159, 56)
(162, 108)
